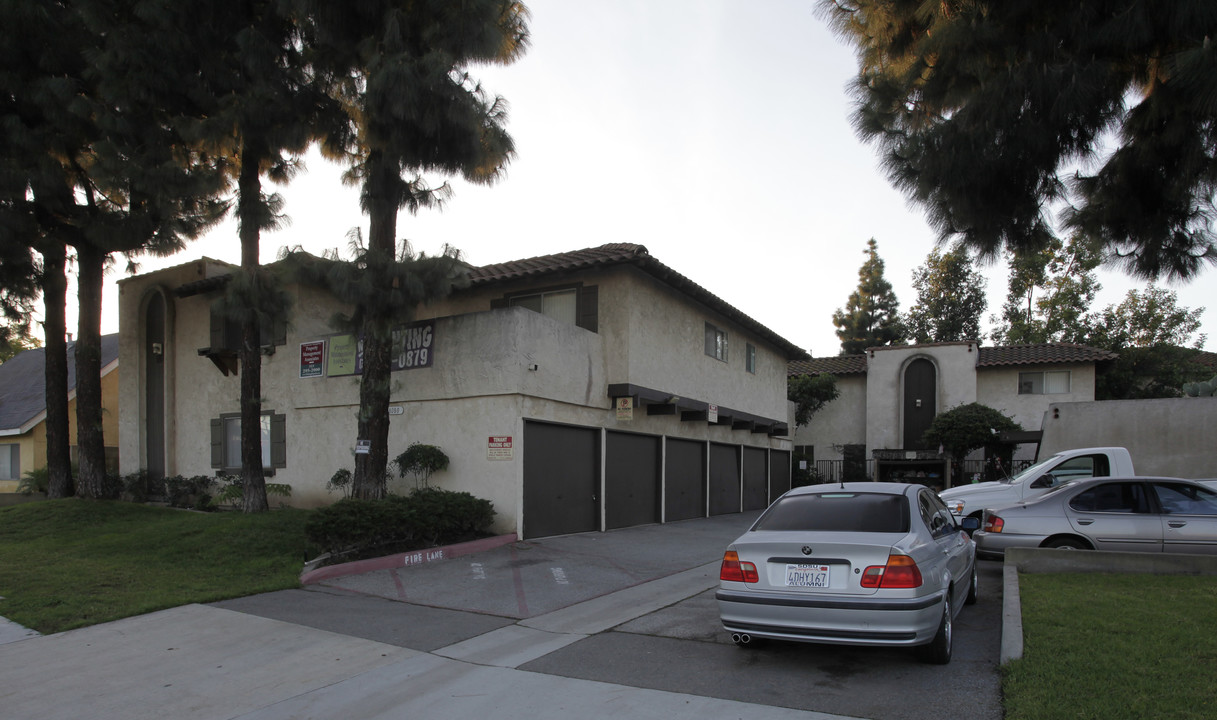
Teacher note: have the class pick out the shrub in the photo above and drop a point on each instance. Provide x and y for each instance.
(232, 490)
(193, 492)
(424, 518)
(36, 480)
(421, 461)
(340, 480)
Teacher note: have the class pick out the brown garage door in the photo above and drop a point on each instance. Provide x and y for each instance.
(756, 480)
(631, 480)
(724, 479)
(684, 480)
(561, 479)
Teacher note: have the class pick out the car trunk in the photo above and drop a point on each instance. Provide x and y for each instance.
(808, 562)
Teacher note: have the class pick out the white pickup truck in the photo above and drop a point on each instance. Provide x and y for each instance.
(966, 500)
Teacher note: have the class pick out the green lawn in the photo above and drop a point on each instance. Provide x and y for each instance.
(1115, 646)
(70, 563)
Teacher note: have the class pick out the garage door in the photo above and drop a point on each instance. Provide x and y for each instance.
(756, 479)
(779, 473)
(561, 479)
(724, 479)
(631, 480)
(685, 480)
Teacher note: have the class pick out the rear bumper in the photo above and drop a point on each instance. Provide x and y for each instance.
(839, 621)
(995, 544)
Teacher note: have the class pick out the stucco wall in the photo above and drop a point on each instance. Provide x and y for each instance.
(1170, 437)
(997, 387)
(839, 423)
(955, 380)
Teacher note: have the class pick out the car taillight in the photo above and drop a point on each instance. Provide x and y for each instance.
(994, 524)
(735, 571)
(899, 572)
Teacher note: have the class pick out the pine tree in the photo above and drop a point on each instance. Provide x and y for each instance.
(401, 68)
(983, 110)
(871, 316)
(97, 165)
(950, 299)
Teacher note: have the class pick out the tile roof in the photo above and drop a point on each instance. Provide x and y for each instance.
(999, 355)
(838, 365)
(1040, 354)
(23, 382)
(632, 255)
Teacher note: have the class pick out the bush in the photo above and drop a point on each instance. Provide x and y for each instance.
(193, 492)
(36, 480)
(421, 461)
(232, 490)
(424, 518)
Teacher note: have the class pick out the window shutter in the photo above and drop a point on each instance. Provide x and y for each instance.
(589, 308)
(217, 443)
(278, 441)
(217, 325)
(14, 462)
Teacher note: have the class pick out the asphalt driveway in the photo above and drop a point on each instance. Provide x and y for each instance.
(617, 624)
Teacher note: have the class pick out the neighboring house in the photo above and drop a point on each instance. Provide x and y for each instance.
(890, 395)
(23, 410)
(579, 391)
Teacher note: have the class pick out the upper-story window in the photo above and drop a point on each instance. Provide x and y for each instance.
(1043, 383)
(750, 358)
(560, 305)
(716, 342)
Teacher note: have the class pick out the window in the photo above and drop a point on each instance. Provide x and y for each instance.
(1112, 498)
(10, 462)
(716, 343)
(560, 304)
(1185, 499)
(226, 442)
(837, 512)
(1043, 383)
(750, 358)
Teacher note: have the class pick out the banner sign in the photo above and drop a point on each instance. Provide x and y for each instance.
(312, 356)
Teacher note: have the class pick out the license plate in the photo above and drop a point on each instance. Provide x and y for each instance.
(809, 576)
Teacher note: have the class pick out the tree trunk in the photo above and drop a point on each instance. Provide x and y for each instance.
(369, 481)
(58, 444)
(91, 452)
(249, 193)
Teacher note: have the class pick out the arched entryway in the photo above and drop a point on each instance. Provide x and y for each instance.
(920, 402)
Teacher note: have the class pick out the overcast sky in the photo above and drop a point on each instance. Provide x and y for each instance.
(715, 133)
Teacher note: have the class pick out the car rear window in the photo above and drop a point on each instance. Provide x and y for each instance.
(838, 512)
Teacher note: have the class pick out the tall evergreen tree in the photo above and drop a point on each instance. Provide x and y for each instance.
(982, 111)
(258, 108)
(401, 67)
(871, 317)
(950, 299)
(98, 166)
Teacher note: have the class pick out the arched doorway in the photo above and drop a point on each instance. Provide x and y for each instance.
(920, 404)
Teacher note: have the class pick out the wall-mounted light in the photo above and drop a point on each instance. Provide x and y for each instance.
(533, 367)
(157, 349)
(918, 402)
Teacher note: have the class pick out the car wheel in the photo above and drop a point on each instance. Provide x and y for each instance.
(1066, 544)
(938, 651)
(973, 588)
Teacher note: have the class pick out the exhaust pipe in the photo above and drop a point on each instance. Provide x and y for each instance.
(741, 638)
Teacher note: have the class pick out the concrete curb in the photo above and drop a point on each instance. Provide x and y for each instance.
(1043, 560)
(416, 557)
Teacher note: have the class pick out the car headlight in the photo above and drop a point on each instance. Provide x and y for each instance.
(956, 507)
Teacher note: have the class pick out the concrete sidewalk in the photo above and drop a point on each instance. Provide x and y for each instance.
(352, 649)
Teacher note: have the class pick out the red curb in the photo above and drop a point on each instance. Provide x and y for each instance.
(416, 557)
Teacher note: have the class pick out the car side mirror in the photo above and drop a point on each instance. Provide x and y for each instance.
(1046, 481)
(970, 524)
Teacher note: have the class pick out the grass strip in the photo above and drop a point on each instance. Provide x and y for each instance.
(1115, 646)
(70, 563)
